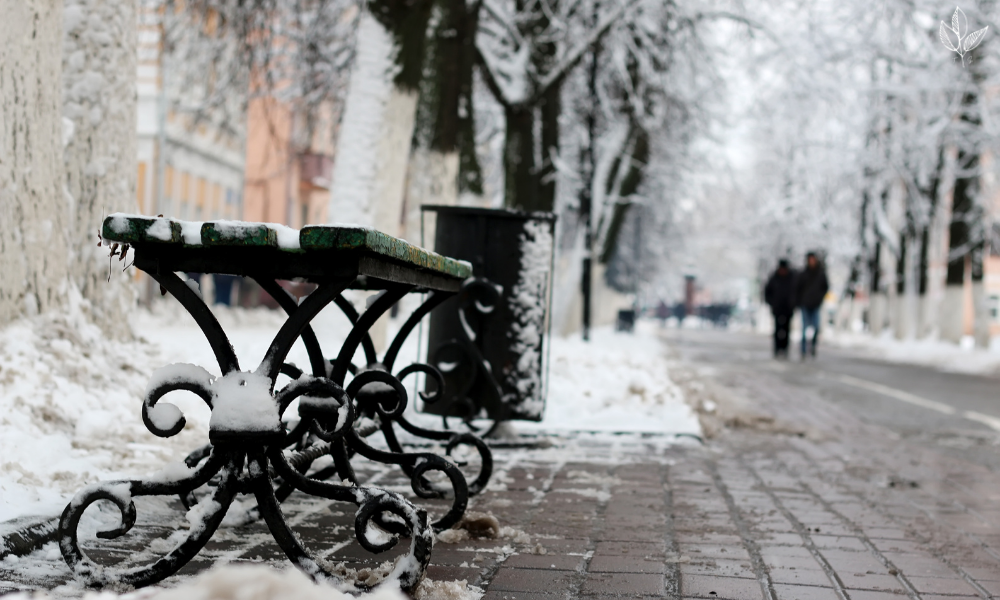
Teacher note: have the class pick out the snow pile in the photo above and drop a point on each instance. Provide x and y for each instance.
(246, 582)
(481, 525)
(617, 382)
(447, 590)
(963, 358)
(70, 400)
(70, 404)
(243, 404)
(160, 230)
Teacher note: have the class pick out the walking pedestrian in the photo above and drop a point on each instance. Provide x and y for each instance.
(779, 293)
(662, 313)
(810, 290)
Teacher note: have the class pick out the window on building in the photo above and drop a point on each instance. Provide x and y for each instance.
(185, 195)
(140, 188)
(994, 306)
(215, 200)
(201, 198)
(168, 192)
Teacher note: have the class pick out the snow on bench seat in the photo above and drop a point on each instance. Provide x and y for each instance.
(139, 230)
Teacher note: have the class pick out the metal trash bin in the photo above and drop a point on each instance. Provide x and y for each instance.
(490, 341)
(625, 321)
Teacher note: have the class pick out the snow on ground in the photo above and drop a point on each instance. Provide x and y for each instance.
(963, 358)
(616, 382)
(245, 582)
(70, 400)
(69, 414)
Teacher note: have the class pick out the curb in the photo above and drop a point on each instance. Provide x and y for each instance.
(26, 534)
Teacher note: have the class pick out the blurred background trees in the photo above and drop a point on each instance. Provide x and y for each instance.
(674, 139)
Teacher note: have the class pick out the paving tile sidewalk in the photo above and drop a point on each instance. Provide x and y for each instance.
(771, 513)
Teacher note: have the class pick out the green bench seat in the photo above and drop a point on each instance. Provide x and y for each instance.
(315, 253)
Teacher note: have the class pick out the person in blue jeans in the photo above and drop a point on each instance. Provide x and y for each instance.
(810, 290)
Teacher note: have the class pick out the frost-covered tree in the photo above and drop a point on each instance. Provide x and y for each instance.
(220, 54)
(633, 107)
(444, 164)
(34, 244)
(380, 107)
(526, 50)
(99, 105)
(861, 129)
(924, 174)
(68, 94)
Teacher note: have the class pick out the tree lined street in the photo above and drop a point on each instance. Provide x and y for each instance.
(483, 204)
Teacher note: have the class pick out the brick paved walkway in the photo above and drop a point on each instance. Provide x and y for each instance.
(808, 504)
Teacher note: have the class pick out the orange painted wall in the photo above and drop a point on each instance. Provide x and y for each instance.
(267, 183)
(274, 190)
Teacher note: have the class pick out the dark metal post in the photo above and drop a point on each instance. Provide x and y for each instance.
(586, 194)
(688, 295)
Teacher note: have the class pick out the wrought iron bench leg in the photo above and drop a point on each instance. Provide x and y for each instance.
(258, 442)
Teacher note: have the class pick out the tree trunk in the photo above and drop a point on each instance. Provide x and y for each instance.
(370, 169)
(633, 161)
(959, 245)
(520, 191)
(980, 305)
(930, 244)
(549, 111)
(393, 155)
(369, 177)
(878, 302)
(909, 301)
(99, 88)
(431, 178)
(530, 182)
(897, 318)
(33, 206)
(924, 324)
(443, 164)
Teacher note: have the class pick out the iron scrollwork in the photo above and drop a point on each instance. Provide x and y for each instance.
(247, 455)
(382, 399)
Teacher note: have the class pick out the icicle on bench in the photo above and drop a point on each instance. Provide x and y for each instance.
(252, 450)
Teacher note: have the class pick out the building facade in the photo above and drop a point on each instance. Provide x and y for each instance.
(188, 167)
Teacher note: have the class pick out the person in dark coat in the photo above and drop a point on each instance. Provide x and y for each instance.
(779, 293)
(810, 290)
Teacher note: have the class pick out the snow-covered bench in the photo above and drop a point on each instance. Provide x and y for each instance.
(252, 449)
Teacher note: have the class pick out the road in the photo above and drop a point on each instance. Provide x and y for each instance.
(957, 413)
